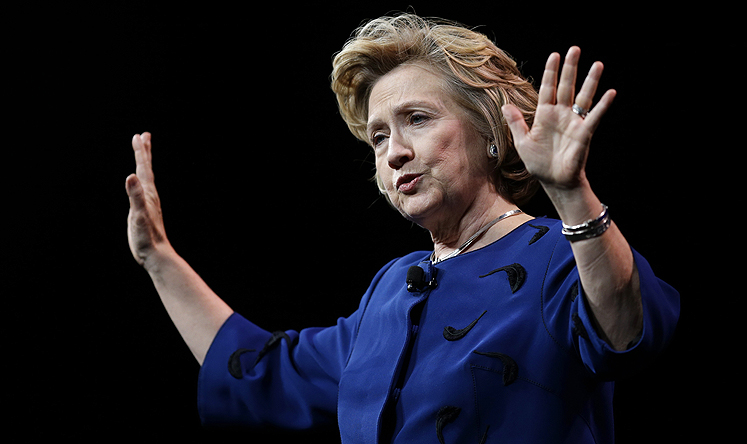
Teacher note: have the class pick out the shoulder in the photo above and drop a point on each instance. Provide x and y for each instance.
(543, 241)
(535, 241)
(542, 228)
(402, 263)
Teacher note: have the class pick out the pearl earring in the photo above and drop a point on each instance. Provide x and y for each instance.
(493, 151)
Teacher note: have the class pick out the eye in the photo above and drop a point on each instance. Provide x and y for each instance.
(418, 118)
(377, 139)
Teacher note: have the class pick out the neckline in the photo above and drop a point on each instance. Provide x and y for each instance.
(477, 236)
(468, 252)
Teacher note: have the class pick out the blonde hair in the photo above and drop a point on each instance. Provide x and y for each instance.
(480, 77)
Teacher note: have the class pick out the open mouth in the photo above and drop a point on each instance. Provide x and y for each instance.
(407, 182)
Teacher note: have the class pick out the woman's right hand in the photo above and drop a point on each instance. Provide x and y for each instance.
(145, 230)
(195, 309)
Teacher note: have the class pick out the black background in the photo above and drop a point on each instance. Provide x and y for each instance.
(266, 193)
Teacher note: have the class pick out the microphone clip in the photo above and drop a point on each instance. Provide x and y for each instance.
(417, 281)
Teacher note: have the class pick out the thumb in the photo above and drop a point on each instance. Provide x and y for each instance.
(135, 192)
(515, 121)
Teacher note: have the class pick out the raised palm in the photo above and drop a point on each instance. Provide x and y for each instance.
(555, 148)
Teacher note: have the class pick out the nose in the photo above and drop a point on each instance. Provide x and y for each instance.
(399, 153)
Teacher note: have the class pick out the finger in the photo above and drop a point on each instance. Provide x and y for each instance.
(515, 121)
(595, 115)
(549, 83)
(567, 84)
(135, 192)
(143, 158)
(585, 97)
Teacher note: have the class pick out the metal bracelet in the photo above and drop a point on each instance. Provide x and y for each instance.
(589, 229)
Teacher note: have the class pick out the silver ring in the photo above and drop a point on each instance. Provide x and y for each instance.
(580, 111)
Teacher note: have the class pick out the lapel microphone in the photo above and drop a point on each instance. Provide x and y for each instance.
(416, 281)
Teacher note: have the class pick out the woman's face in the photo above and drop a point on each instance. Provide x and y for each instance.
(431, 162)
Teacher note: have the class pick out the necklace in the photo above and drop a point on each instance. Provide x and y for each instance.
(475, 236)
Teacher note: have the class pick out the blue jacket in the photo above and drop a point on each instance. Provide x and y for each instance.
(500, 347)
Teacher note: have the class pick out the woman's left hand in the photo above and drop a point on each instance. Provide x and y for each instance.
(554, 150)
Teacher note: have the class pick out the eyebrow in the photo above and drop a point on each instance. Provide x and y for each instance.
(400, 109)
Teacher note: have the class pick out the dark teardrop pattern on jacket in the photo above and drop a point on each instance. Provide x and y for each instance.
(516, 275)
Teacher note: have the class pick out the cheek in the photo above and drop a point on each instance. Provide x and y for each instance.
(451, 165)
(462, 157)
(383, 177)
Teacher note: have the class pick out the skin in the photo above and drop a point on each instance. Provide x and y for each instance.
(419, 134)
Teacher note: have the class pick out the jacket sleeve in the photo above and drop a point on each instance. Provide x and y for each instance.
(569, 320)
(285, 379)
(661, 308)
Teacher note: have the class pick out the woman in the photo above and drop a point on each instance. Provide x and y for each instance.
(510, 329)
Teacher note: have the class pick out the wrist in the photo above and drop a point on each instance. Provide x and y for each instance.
(574, 205)
(159, 258)
(589, 229)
